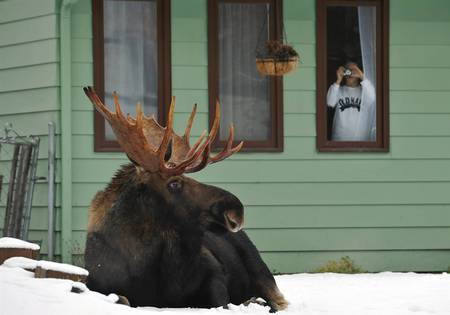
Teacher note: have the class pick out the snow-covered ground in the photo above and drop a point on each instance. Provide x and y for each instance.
(363, 294)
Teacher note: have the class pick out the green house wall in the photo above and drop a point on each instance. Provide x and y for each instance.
(388, 211)
(29, 94)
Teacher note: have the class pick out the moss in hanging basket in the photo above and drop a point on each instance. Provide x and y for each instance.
(277, 59)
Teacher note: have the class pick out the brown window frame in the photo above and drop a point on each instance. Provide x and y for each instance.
(382, 81)
(101, 144)
(275, 143)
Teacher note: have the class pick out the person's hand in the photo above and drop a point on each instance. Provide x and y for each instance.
(339, 74)
(356, 72)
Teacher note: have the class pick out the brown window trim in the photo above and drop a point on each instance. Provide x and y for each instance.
(275, 143)
(382, 87)
(164, 70)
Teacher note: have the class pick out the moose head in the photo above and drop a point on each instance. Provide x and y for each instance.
(164, 236)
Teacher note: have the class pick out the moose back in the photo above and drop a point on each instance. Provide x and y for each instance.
(162, 239)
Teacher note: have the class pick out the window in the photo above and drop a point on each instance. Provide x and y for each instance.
(132, 57)
(352, 75)
(253, 103)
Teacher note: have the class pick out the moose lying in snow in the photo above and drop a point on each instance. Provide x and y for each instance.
(162, 239)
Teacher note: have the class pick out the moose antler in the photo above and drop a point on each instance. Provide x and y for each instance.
(146, 142)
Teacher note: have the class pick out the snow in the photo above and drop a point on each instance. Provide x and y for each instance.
(9, 242)
(27, 263)
(20, 262)
(50, 265)
(309, 294)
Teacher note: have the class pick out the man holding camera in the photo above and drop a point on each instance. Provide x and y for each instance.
(353, 97)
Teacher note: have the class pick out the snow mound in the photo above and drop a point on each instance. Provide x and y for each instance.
(66, 268)
(308, 294)
(20, 262)
(9, 242)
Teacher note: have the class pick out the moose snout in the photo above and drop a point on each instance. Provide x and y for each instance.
(233, 220)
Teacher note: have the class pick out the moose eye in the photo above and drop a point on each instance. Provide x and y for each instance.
(175, 185)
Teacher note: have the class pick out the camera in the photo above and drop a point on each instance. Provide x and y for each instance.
(347, 72)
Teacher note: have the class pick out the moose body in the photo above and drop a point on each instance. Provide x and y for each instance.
(162, 239)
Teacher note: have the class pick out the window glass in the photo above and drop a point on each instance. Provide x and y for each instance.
(130, 56)
(243, 93)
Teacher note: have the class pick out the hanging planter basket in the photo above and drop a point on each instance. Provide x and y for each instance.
(276, 58)
(276, 67)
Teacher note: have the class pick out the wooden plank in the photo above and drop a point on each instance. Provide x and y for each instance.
(304, 148)
(301, 31)
(420, 79)
(420, 102)
(310, 171)
(27, 54)
(82, 74)
(280, 217)
(31, 123)
(190, 77)
(298, 10)
(419, 33)
(81, 25)
(262, 194)
(39, 76)
(420, 125)
(189, 9)
(43, 27)
(413, 56)
(29, 101)
(372, 261)
(82, 50)
(189, 54)
(302, 79)
(23, 9)
(418, 10)
(326, 239)
(186, 29)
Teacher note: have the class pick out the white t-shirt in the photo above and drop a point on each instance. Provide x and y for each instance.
(355, 114)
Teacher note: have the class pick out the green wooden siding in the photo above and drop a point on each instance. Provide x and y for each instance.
(388, 211)
(29, 92)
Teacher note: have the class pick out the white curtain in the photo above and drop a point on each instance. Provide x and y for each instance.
(130, 55)
(243, 93)
(367, 33)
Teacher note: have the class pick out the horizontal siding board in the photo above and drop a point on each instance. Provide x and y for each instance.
(33, 29)
(190, 77)
(302, 79)
(189, 54)
(262, 194)
(82, 75)
(81, 50)
(32, 53)
(348, 216)
(31, 123)
(298, 10)
(30, 101)
(419, 102)
(372, 261)
(189, 9)
(350, 239)
(81, 26)
(413, 56)
(301, 31)
(23, 9)
(419, 33)
(304, 148)
(189, 29)
(417, 79)
(418, 10)
(6, 151)
(234, 171)
(31, 77)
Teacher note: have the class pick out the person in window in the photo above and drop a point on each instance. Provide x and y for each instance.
(353, 98)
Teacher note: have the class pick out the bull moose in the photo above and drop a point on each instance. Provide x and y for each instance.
(162, 239)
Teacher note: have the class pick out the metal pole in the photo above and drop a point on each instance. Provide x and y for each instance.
(51, 190)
